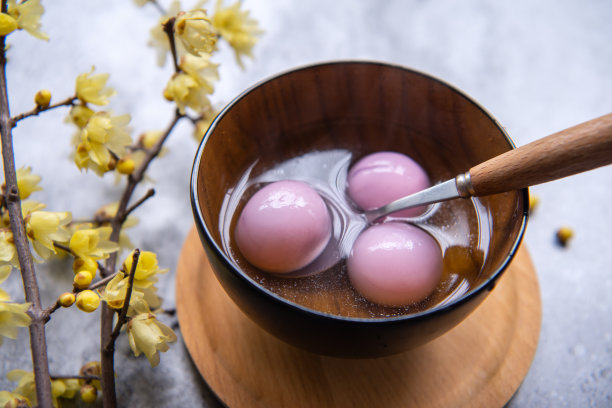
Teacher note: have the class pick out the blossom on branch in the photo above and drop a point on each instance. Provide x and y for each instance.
(27, 183)
(191, 87)
(148, 335)
(27, 14)
(12, 315)
(103, 138)
(237, 28)
(7, 25)
(45, 227)
(196, 32)
(92, 88)
(159, 39)
(12, 399)
(92, 243)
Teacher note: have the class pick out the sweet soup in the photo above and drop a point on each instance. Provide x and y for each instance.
(452, 237)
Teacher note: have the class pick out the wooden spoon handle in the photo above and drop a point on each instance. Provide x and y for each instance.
(580, 148)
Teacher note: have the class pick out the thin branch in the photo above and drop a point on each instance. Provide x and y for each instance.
(168, 27)
(66, 102)
(109, 396)
(75, 377)
(102, 281)
(38, 344)
(51, 309)
(150, 193)
(126, 303)
(64, 248)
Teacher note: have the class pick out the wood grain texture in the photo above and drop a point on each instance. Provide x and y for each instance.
(480, 363)
(580, 148)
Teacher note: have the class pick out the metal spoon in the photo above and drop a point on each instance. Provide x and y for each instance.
(571, 151)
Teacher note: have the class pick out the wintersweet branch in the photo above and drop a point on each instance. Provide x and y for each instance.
(168, 27)
(28, 275)
(109, 397)
(66, 102)
(126, 303)
(150, 193)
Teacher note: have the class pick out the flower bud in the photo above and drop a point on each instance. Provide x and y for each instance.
(85, 264)
(89, 393)
(564, 234)
(7, 24)
(57, 388)
(87, 301)
(82, 279)
(42, 98)
(66, 299)
(126, 165)
(196, 32)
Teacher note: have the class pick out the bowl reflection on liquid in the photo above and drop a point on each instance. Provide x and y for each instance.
(363, 107)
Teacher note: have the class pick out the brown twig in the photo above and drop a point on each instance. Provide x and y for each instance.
(75, 377)
(38, 109)
(38, 342)
(109, 397)
(107, 360)
(150, 193)
(168, 27)
(102, 281)
(64, 248)
(126, 303)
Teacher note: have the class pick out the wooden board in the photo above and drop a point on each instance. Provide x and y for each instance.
(480, 363)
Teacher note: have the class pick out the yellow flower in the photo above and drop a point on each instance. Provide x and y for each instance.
(141, 3)
(149, 336)
(45, 227)
(12, 317)
(87, 300)
(28, 15)
(92, 88)
(159, 39)
(7, 24)
(8, 253)
(196, 32)
(202, 70)
(92, 243)
(92, 368)
(116, 290)
(12, 399)
(42, 98)
(80, 115)
(72, 386)
(147, 265)
(186, 91)
(27, 182)
(150, 138)
(102, 135)
(237, 28)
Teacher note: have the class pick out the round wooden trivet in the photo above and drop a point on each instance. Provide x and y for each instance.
(479, 363)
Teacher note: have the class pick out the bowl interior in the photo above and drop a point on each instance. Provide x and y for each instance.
(363, 107)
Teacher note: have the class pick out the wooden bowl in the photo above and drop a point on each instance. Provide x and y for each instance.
(364, 107)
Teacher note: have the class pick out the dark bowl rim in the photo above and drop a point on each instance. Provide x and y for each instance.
(203, 230)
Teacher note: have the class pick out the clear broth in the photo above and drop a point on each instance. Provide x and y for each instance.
(460, 227)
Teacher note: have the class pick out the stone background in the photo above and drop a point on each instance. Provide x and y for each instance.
(538, 67)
